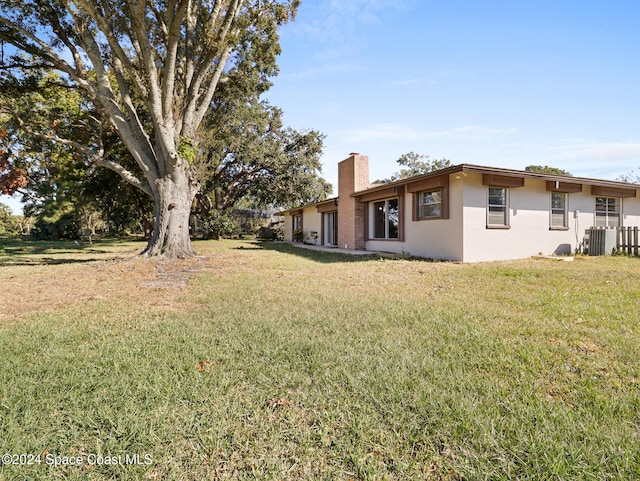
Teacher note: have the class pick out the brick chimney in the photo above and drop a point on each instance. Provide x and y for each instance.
(353, 176)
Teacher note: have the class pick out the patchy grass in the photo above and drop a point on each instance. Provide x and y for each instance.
(277, 363)
(15, 251)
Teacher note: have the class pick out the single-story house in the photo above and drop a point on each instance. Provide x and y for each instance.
(466, 213)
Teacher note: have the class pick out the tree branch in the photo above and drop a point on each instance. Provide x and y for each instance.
(115, 46)
(199, 103)
(125, 174)
(173, 41)
(40, 49)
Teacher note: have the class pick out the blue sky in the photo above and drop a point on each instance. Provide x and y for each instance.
(503, 83)
(489, 82)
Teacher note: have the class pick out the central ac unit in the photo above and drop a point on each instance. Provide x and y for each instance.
(602, 241)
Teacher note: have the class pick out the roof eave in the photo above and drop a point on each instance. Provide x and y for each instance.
(313, 204)
(471, 168)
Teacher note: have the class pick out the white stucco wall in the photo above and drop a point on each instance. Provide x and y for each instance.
(464, 236)
(288, 228)
(311, 222)
(434, 239)
(438, 238)
(529, 212)
(631, 212)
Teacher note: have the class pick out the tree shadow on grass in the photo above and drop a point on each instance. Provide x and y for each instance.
(16, 251)
(48, 261)
(325, 256)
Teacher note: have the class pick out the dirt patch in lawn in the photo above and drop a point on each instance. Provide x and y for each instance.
(135, 282)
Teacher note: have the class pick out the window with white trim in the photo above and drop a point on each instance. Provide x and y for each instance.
(559, 212)
(607, 212)
(385, 219)
(430, 204)
(498, 207)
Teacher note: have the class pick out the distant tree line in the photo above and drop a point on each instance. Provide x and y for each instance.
(413, 164)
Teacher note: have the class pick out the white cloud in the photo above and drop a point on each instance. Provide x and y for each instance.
(335, 23)
(597, 159)
(600, 151)
(581, 157)
(391, 131)
(326, 69)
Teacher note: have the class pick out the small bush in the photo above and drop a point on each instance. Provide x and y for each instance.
(67, 226)
(275, 232)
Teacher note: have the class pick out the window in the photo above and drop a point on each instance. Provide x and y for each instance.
(331, 228)
(430, 204)
(386, 219)
(607, 212)
(558, 210)
(296, 234)
(498, 207)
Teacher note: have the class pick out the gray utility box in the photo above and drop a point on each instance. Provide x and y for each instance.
(602, 241)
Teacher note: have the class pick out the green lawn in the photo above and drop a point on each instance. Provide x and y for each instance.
(278, 363)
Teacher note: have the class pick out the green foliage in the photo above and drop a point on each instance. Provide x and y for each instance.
(250, 157)
(124, 208)
(57, 220)
(631, 177)
(216, 223)
(415, 164)
(275, 232)
(546, 170)
(8, 223)
(186, 150)
(147, 69)
(59, 178)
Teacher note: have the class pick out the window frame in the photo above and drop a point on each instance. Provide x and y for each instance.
(297, 232)
(607, 213)
(296, 221)
(330, 228)
(419, 204)
(505, 206)
(555, 211)
(372, 224)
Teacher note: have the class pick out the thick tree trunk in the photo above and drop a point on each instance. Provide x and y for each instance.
(173, 197)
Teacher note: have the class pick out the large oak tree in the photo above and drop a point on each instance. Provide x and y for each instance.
(249, 156)
(149, 69)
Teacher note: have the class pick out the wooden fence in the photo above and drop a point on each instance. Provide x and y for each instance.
(627, 240)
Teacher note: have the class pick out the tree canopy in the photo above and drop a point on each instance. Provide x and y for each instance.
(8, 224)
(415, 164)
(631, 177)
(248, 154)
(148, 69)
(546, 170)
(12, 178)
(62, 190)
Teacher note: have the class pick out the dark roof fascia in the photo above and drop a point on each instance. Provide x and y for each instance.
(501, 171)
(551, 177)
(397, 183)
(326, 201)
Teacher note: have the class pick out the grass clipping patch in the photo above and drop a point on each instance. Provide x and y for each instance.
(136, 283)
